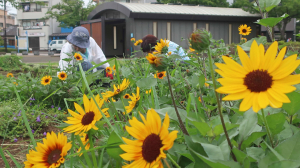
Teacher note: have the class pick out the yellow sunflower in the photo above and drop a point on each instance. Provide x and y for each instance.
(170, 53)
(153, 138)
(192, 50)
(78, 56)
(206, 84)
(148, 92)
(126, 96)
(117, 89)
(16, 83)
(153, 59)
(87, 117)
(261, 80)
(199, 98)
(108, 70)
(134, 99)
(62, 75)
(49, 154)
(114, 67)
(46, 80)
(132, 39)
(138, 42)
(84, 139)
(9, 75)
(244, 40)
(161, 75)
(244, 30)
(162, 47)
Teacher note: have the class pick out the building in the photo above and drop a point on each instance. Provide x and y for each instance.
(39, 30)
(10, 19)
(290, 31)
(11, 29)
(113, 24)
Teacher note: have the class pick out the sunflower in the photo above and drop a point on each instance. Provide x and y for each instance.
(108, 70)
(86, 118)
(153, 138)
(192, 50)
(153, 59)
(206, 84)
(84, 139)
(199, 98)
(261, 80)
(117, 89)
(78, 56)
(9, 75)
(148, 92)
(162, 47)
(170, 53)
(16, 83)
(49, 154)
(62, 75)
(126, 96)
(161, 75)
(114, 67)
(138, 42)
(244, 30)
(132, 39)
(134, 99)
(46, 80)
(244, 40)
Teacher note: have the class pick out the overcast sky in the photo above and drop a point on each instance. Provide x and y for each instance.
(13, 10)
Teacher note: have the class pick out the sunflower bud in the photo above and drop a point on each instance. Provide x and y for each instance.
(158, 61)
(199, 40)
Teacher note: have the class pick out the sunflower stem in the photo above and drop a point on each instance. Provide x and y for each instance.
(219, 102)
(182, 127)
(166, 162)
(174, 163)
(92, 146)
(267, 127)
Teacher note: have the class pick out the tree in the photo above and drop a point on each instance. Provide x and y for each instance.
(70, 12)
(290, 7)
(214, 3)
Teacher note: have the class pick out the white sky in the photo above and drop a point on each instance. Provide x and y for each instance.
(13, 10)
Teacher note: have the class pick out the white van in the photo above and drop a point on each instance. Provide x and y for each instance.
(56, 45)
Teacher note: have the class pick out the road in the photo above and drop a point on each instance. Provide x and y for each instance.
(39, 59)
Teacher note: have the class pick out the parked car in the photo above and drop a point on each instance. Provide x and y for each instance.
(56, 45)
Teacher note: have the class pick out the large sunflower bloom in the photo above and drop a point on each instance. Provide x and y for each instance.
(261, 80)
(78, 57)
(134, 99)
(161, 75)
(46, 80)
(153, 59)
(9, 75)
(62, 75)
(117, 89)
(244, 30)
(162, 47)
(152, 140)
(84, 139)
(86, 119)
(49, 154)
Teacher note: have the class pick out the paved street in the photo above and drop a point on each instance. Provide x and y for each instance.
(39, 59)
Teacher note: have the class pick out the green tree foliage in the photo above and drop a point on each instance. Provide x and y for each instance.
(70, 12)
(290, 7)
(214, 3)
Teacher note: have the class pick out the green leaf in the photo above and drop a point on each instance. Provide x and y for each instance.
(255, 153)
(172, 114)
(271, 21)
(202, 127)
(146, 83)
(241, 156)
(288, 150)
(201, 80)
(219, 128)
(285, 164)
(267, 5)
(260, 40)
(275, 122)
(114, 150)
(248, 124)
(216, 152)
(252, 138)
(216, 163)
(294, 106)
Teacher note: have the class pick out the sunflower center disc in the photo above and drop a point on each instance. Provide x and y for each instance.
(151, 148)
(258, 81)
(126, 97)
(47, 80)
(244, 31)
(62, 75)
(160, 75)
(54, 156)
(88, 118)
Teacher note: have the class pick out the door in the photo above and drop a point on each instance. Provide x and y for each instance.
(34, 43)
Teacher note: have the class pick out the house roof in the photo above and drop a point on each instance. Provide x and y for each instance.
(174, 12)
(10, 31)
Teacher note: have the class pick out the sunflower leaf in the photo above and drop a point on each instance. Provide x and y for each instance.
(114, 150)
(294, 106)
(146, 83)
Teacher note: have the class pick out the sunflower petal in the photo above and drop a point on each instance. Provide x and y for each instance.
(270, 55)
(254, 55)
(244, 59)
(86, 103)
(231, 89)
(237, 96)
(247, 102)
(263, 100)
(278, 96)
(278, 60)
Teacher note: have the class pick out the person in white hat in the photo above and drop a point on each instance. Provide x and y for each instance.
(80, 41)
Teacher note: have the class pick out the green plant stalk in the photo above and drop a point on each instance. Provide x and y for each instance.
(92, 146)
(4, 158)
(101, 158)
(173, 161)
(72, 151)
(103, 115)
(14, 160)
(25, 118)
(219, 103)
(86, 157)
(182, 126)
(267, 127)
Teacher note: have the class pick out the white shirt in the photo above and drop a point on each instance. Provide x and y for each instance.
(95, 54)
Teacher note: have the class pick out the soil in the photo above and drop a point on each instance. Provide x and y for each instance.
(20, 148)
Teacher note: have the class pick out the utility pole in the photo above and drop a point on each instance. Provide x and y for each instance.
(5, 44)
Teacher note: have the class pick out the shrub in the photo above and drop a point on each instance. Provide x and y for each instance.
(9, 62)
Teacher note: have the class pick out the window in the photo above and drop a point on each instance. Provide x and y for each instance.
(169, 30)
(26, 7)
(155, 29)
(60, 42)
(38, 7)
(1, 24)
(194, 26)
(115, 37)
(26, 25)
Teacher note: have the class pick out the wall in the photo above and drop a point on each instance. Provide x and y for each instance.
(66, 30)
(97, 33)
(8, 21)
(109, 40)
